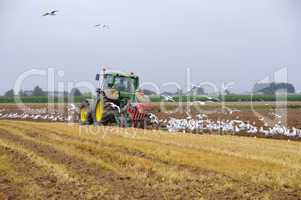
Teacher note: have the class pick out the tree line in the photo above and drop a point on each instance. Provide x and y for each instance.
(273, 87)
(39, 92)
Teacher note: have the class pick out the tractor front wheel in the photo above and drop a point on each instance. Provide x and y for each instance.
(85, 116)
(99, 111)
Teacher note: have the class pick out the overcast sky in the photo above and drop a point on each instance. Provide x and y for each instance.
(219, 40)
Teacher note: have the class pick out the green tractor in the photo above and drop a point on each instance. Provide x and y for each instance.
(118, 102)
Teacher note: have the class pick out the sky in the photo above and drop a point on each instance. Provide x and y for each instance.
(233, 41)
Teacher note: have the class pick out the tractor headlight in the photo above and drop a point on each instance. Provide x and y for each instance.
(112, 94)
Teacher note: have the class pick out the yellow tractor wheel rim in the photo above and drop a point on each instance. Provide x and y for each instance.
(83, 115)
(99, 111)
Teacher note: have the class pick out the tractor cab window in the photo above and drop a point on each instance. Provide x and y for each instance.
(108, 81)
(124, 84)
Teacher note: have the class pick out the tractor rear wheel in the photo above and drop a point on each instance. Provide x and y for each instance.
(105, 112)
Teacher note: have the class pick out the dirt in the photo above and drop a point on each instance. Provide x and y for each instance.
(260, 114)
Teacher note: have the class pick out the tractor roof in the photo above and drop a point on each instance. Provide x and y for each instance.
(124, 74)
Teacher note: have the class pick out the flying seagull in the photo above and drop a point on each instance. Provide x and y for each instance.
(104, 26)
(52, 13)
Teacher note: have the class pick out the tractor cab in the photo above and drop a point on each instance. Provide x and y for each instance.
(120, 82)
(118, 87)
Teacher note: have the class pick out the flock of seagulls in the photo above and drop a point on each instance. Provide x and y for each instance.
(41, 114)
(26, 116)
(202, 125)
(208, 99)
(54, 13)
(198, 124)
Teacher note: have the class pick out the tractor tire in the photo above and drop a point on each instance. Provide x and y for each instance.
(85, 114)
(98, 111)
(111, 114)
(105, 112)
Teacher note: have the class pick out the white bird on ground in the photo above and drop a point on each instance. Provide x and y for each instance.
(188, 116)
(230, 111)
(37, 117)
(153, 118)
(25, 116)
(168, 98)
(277, 116)
(72, 107)
(45, 117)
(198, 103)
(201, 116)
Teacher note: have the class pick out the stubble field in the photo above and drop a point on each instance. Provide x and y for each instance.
(41, 160)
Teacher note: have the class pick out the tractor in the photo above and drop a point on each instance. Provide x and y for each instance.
(118, 102)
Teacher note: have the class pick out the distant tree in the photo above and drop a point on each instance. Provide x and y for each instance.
(196, 91)
(227, 92)
(168, 94)
(180, 92)
(148, 92)
(272, 88)
(37, 91)
(76, 92)
(10, 93)
(22, 93)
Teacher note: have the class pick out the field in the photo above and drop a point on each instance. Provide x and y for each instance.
(60, 160)
(216, 111)
(155, 98)
(41, 160)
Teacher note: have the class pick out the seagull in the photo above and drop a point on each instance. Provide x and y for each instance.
(275, 115)
(197, 102)
(104, 26)
(168, 98)
(71, 107)
(52, 13)
(153, 118)
(115, 106)
(210, 99)
(188, 115)
(261, 118)
(230, 111)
